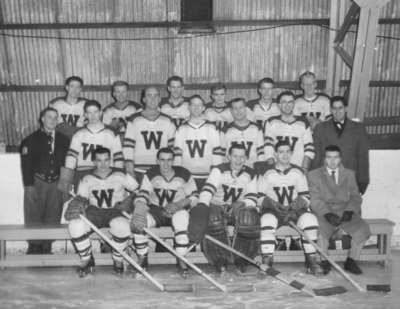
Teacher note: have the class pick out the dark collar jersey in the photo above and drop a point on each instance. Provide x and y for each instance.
(158, 191)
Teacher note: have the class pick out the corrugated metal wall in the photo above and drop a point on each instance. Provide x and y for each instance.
(238, 57)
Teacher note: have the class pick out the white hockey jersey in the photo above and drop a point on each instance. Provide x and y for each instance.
(106, 192)
(263, 113)
(197, 148)
(178, 113)
(250, 136)
(220, 116)
(81, 150)
(111, 112)
(224, 188)
(157, 190)
(283, 186)
(71, 114)
(318, 107)
(144, 137)
(297, 133)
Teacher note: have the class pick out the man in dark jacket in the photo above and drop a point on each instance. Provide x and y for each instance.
(42, 154)
(337, 204)
(350, 136)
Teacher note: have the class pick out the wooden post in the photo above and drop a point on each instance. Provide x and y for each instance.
(363, 57)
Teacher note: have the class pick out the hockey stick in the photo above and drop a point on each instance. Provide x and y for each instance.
(161, 287)
(269, 270)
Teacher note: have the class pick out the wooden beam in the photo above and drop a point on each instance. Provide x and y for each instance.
(347, 22)
(363, 57)
(344, 55)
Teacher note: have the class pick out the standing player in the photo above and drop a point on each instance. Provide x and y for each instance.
(231, 195)
(70, 107)
(312, 105)
(293, 129)
(166, 194)
(265, 106)
(197, 143)
(175, 105)
(101, 196)
(244, 132)
(147, 132)
(284, 197)
(115, 114)
(85, 141)
(218, 111)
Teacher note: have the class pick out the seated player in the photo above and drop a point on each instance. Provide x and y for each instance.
(312, 105)
(265, 106)
(175, 105)
(336, 201)
(231, 194)
(243, 131)
(116, 114)
(80, 156)
(101, 196)
(284, 197)
(197, 143)
(166, 194)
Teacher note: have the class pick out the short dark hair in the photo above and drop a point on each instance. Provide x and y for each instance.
(44, 111)
(340, 99)
(165, 150)
(236, 100)
(285, 93)
(333, 148)
(306, 74)
(73, 78)
(119, 83)
(282, 143)
(265, 80)
(217, 86)
(91, 103)
(174, 78)
(196, 96)
(101, 150)
(237, 146)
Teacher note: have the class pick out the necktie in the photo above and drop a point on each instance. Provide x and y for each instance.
(333, 176)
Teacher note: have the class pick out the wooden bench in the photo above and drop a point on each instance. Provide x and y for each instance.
(381, 228)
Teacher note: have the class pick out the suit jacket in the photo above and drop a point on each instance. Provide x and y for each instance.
(353, 143)
(327, 196)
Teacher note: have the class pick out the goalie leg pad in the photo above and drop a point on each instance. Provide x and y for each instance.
(120, 231)
(247, 232)
(180, 223)
(308, 222)
(216, 255)
(269, 224)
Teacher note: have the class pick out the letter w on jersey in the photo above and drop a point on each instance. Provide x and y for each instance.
(231, 193)
(72, 120)
(292, 140)
(103, 197)
(284, 194)
(165, 195)
(247, 145)
(195, 146)
(152, 137)
(88, 149)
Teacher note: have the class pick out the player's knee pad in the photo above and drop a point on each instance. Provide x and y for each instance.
(308, 222)
(77, 228)
(119, 227)
(247, 223)
(180, 220)
(269, 224)
(151, 222)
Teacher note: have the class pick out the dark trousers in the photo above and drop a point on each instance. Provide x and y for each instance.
(43, 206)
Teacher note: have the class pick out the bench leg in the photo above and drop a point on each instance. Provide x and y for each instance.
(2, 251)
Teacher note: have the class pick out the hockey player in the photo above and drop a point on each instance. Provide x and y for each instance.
(294, 129)
(80, 155)
(231, 194)
(165, 195)
(244, 132)
(265, 106)
(175, 105)
(115, 114)
(147, 132)
(101, 196)
(312, 105)
(284, 197)
(70, 107)
(197, 143)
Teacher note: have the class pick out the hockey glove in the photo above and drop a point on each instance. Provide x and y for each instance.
(139, 218)
(126, 205)
(76, 207)
(198, 222)
(332, 219)
(347, 215)
(172, 208)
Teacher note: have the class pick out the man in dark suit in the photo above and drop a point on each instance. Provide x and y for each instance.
(42, 154)
(336, 201)
(350, 136)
